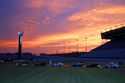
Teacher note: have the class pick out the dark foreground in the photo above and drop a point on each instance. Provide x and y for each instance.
(60, 75)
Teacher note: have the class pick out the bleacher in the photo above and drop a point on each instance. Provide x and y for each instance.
(106, 54)
(111, 45)
(114, 49)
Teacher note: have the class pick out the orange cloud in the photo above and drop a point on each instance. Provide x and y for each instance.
(78, 25)
(97, 14)
(34, 3)
(4, 43)
(60, 6)
(56, 6)
(85, 24)
(94, 21)
(8, 43)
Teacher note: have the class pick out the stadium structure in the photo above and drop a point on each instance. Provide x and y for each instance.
(113, 50)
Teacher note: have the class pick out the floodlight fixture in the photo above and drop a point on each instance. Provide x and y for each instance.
(20, 33)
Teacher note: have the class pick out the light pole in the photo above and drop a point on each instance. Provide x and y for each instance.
(86, 44)
(64, 48)
(77, 45)
(20, 34)
(58, 48)
(69, 46)
(101, 38)
(52, 49)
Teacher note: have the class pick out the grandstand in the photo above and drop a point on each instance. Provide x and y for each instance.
(114, 49)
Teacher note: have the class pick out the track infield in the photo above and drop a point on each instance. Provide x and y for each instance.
(59, 75)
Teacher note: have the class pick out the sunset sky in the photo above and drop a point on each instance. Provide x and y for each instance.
(55, 25)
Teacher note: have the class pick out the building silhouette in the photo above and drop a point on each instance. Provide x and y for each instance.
(113, 49)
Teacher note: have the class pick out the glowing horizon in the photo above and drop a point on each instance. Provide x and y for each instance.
(48, 25)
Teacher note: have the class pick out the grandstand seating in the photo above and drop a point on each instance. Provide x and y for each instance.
(106, 54)
(114, 49)
(111, 45)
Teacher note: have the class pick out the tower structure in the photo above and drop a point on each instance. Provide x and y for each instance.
(20, 34)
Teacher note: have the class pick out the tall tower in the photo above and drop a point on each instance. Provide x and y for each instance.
(20, 34)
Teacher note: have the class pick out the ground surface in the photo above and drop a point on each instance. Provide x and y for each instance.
(60, 75)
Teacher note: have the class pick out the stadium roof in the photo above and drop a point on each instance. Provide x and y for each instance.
(114, 34)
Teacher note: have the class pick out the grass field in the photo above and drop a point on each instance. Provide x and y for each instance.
(59, 75)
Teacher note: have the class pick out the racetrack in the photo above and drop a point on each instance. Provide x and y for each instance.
(59, 75)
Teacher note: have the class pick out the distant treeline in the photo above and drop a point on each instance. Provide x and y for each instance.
(28, 55)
